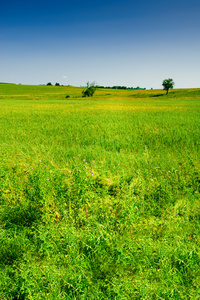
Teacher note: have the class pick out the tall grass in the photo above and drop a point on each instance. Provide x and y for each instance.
(99, 198)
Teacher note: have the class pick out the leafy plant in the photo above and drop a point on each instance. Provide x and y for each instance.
(89, 92)
(168, 84)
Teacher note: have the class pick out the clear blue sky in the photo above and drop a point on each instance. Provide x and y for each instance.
(110, 42)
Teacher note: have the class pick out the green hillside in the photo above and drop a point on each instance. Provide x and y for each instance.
(99, 197)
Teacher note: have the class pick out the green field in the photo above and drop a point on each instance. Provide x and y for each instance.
(99, 197)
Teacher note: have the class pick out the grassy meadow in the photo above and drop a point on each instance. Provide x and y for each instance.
(99, 197)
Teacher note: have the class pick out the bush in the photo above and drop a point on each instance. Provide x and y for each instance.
(91, 88)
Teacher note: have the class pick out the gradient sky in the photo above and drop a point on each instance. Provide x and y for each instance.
(132, 43)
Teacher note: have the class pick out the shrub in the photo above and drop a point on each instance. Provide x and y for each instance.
(89, 92)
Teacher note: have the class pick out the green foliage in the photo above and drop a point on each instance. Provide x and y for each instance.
(168, 84)
(99, 199)
(89, 92)
(49, 83)
(57, 84)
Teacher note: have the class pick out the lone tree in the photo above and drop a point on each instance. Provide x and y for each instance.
(91, 88)
(168, 84)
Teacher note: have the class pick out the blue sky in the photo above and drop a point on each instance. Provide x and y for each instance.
(132, 43)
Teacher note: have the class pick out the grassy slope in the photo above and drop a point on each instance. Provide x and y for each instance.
(99, 198)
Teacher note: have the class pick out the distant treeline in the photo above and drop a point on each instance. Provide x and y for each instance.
(6, 83)
(119, 87)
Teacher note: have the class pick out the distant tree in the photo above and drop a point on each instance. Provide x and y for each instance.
(168, 84)
(49, 83)
(89, 92)
(57, 84)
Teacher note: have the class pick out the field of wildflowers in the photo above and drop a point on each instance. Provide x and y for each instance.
(99, 198)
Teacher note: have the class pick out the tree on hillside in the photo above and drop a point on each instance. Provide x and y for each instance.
(49, 83)
(57, 84)
(89, 92)
(168, 84)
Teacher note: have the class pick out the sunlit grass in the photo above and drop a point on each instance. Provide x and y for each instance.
(99, 198)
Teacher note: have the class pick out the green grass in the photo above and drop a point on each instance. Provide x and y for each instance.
(99, 198)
